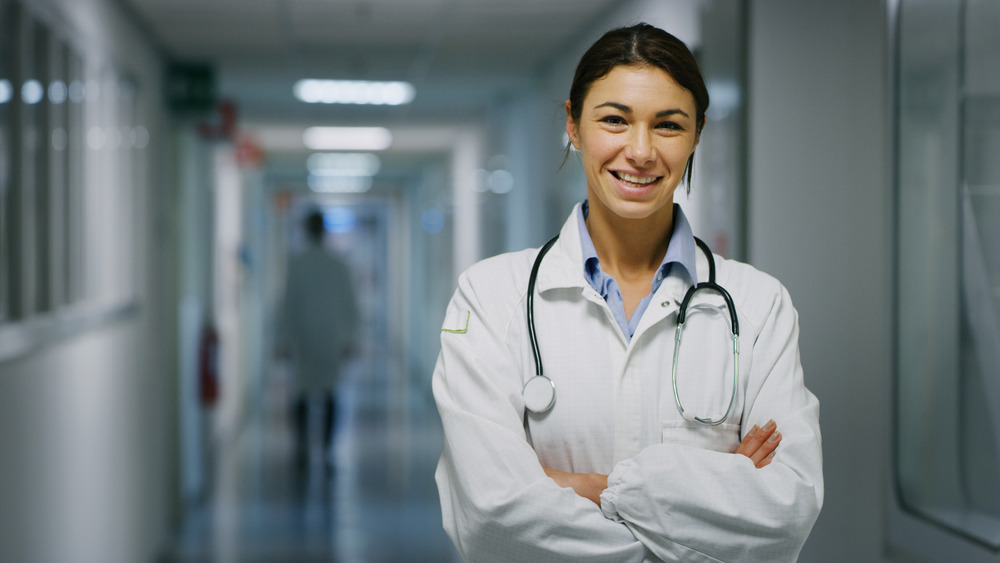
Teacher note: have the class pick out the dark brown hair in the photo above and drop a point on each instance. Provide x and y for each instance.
(640, 45)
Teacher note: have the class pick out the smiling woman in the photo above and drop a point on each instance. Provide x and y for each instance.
(596, 459)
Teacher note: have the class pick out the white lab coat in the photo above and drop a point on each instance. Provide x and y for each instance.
(319, 318)
(675, 493)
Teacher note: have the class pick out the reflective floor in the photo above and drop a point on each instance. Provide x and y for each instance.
(372, 499)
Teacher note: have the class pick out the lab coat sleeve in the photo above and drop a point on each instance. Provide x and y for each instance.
(684, 500)
(497, 503)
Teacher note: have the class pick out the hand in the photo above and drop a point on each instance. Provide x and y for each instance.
(587, 485)
(760, 444)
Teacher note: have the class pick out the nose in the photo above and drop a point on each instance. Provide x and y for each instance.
(639, 149)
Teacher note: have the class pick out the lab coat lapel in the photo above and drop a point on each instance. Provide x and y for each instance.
(563, 265)
(562, 268)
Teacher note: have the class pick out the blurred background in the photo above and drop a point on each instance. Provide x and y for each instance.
(157, 159)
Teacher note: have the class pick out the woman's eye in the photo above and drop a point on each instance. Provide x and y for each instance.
(613, 120)
(671, 126)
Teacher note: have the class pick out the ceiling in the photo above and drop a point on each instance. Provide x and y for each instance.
(461, 55)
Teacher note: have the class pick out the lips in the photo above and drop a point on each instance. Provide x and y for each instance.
(634, 181)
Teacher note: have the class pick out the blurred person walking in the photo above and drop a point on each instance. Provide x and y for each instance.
(319, 319)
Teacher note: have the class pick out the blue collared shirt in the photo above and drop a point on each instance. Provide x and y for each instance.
(680, 251)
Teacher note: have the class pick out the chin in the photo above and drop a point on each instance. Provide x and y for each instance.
(637, 210)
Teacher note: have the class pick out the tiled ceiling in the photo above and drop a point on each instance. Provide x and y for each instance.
(458, 53)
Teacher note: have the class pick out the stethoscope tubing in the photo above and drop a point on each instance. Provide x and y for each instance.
(543, 382)
(532, 336)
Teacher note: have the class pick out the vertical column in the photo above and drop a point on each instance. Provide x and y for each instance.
(466, 159)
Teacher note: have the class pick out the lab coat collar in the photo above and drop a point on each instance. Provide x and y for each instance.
(562, 268)
(563, 265)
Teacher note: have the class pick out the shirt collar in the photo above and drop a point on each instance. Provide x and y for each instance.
(680, 251)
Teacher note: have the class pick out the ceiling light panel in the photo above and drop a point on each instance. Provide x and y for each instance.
(361, 92)
(347, 138)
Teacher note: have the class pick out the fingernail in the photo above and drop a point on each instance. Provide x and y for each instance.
(774, 437)
(771, 455)
(753, 430)
(770, 424)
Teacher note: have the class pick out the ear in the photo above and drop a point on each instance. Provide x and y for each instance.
(571, 131)
(701, 127)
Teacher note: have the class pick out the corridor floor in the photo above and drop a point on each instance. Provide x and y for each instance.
(374, 501)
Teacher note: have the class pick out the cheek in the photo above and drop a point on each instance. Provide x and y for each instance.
(597, 149)
(679, 150)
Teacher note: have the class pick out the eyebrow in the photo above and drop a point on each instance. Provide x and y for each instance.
(624, 108)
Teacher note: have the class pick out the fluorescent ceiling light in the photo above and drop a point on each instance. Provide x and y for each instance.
(347, 138)
(315, 91)
(343, 164)
(339, 184)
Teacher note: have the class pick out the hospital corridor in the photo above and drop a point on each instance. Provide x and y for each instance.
(366, 501)
(268, 281)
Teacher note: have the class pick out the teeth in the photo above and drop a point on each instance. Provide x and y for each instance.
(641, 180)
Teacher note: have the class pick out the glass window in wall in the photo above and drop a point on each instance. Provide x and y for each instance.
(18, 211)
(37, 154)
(717, 202)
(110, 190)
(948, 254)
(58, 170)
(6, 138)
(126, 188)
(95, 183)
(76, 180)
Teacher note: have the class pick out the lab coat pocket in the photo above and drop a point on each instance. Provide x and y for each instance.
(720, 438)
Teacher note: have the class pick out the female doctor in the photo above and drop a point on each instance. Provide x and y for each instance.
(623, 450)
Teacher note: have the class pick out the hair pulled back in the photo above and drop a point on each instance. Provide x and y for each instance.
(640, 45)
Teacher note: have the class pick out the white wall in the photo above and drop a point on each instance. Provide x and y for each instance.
(86, 419)
(819, 195)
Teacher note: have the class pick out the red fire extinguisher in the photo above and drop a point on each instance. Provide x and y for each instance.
(208, 366)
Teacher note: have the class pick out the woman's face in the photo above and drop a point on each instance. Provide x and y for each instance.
(636, 131)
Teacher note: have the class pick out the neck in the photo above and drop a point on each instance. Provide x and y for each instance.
(629, 248)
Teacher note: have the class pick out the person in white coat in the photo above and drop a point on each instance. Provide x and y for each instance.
(614, 470)
(319, 319)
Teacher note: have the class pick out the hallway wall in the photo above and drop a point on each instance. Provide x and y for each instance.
(87, 401)
(819, 221)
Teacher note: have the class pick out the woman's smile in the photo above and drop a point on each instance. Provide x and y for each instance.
(635, 180)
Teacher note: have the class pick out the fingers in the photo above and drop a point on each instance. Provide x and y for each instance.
(759, 444)
(766, 452)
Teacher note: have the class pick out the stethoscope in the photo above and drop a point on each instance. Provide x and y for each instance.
(540, 392)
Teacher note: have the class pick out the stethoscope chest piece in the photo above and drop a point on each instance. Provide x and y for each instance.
(539, 394)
